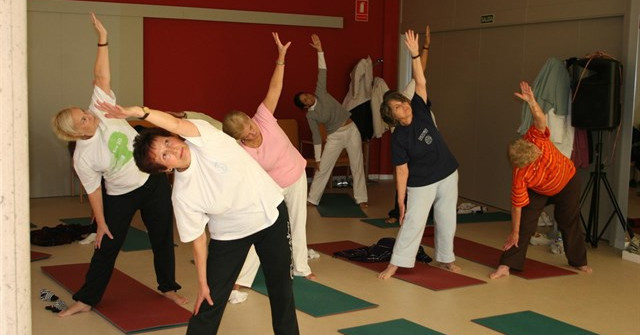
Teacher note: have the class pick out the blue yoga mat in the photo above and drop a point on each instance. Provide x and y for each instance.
(316, 299)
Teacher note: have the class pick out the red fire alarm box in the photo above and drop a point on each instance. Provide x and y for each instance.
(362, 10)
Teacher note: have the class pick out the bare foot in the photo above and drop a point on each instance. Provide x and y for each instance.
(311, 276)
(311, 204)
(175, 297)
(363, 205)
(391, 220)
(388, 272)
(450, 266)
(501, 271)
(585, 269)
(78, 307)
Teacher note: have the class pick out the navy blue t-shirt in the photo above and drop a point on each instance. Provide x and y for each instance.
(421, 145)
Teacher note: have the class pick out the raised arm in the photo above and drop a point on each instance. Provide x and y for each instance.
(411, 41)
(159, 118)
(424, 53)
(316, 43)
(275, 86)
(321, 84)
(101, 71)
(526, 94)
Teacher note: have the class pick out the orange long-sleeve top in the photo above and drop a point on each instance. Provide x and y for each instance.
(547, 175)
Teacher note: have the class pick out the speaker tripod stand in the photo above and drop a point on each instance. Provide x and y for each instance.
(598, 175)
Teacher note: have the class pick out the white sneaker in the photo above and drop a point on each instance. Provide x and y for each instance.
(557, 247)
(539, 239)
(312, 254)
(88, 239)
(237, 297)
(544, 220)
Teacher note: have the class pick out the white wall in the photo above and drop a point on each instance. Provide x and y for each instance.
(62, 50)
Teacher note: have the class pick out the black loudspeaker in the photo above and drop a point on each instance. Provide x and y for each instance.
(597, 100)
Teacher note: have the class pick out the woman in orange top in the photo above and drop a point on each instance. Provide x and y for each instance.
(541, 174)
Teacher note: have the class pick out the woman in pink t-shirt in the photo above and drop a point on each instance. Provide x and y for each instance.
(267, 143)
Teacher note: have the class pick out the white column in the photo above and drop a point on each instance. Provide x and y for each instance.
(15, 289)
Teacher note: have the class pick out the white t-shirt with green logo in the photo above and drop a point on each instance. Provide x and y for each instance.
(108, 154)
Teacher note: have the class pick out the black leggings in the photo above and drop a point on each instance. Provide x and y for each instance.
(224, 262)
(153, 199)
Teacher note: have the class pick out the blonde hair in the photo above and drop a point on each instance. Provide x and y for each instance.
(522, 153)
(62, 124)
(234, 123)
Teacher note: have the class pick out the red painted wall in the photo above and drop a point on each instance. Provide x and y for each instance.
(215, 67)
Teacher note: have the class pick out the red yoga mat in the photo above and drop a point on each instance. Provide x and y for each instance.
(36, 256)
(127, 304)
(490, 256)
(422, 274)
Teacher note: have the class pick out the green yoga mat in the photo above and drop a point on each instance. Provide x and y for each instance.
(316, 299)
(484, 217)
(85, 221)
(393, 327)
(529, 323)
(136, 239)
(339, 205)
(380, 223)
(462, 218)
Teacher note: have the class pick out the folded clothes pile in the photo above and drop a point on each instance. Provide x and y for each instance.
(468, 208)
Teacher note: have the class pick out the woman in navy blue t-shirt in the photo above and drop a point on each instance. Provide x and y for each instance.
(426, 171)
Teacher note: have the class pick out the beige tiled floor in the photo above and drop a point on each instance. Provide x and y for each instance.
(605, 302)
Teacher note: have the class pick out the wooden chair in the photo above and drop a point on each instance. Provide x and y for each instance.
(290, 127)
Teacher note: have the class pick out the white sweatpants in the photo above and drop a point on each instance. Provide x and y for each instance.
(295, 197)
(443, 195)
(347, 137)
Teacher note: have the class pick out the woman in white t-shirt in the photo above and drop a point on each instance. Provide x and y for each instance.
(267, 143)
(217, 184)
(104, 152)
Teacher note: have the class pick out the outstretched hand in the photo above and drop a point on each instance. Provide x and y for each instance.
(526, 93)
(203, 294)
(512, 240)
(100, 29)
(315, 42)
(282, 49)
(101, 231)
(411, 41)
(117, 111)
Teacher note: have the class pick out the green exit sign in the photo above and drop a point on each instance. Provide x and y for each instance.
(488, 18)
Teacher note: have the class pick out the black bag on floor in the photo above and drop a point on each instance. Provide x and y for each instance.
(379, 252)
(61, 234)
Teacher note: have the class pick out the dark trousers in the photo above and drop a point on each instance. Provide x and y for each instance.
(225, 259)
(153, 199)
(567, 214)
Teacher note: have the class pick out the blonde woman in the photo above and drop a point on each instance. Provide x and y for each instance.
(266, 142)
(541, 173)
(104, 151)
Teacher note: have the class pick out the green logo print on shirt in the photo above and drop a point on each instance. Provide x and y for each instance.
(118, 145)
